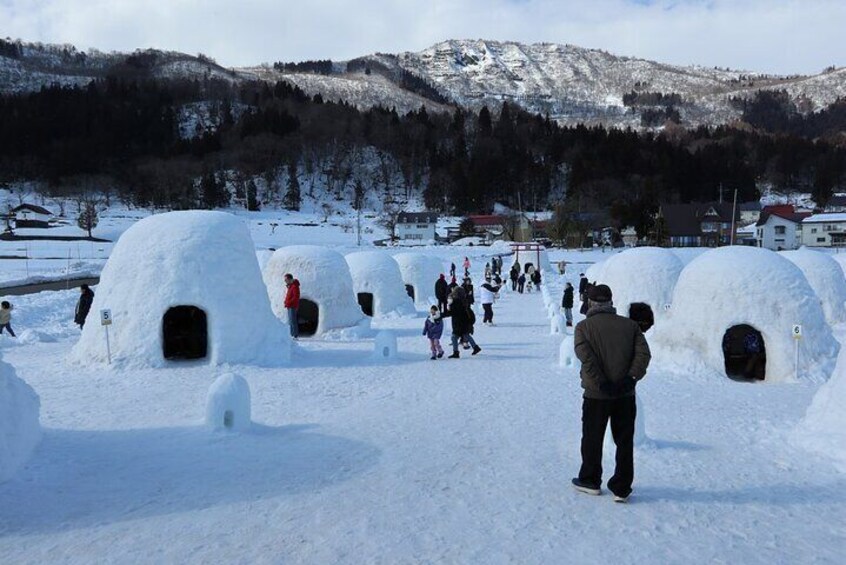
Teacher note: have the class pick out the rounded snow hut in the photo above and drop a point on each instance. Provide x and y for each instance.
(826, 278)
(419, 274)
(378, 285)
(733, 303)
(642, 281)
(20, 430)
(327, 300)
(184, 286)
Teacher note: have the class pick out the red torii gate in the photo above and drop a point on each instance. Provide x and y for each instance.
(530, 249)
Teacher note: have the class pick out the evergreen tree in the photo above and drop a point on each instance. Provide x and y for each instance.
(292, 198)
(88, 218)
(253, 204)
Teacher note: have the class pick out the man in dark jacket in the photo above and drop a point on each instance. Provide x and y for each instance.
(567, 304)
(462, 322)
(83, 306)
(441, 293)
(514, 275)
(614, 356)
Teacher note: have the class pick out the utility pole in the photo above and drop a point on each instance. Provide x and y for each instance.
(358, 225)
(733, 215)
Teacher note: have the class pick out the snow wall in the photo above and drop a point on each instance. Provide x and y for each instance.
(737, 285)
(826, 278)
(421, 271)
(194, 258)
(20, 430)
(823, 430)
(376, 272)
(324, 279)
(642, 274)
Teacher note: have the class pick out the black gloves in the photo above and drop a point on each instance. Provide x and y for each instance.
(618, 389)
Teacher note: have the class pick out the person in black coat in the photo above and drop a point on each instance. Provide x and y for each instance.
(521, 282)
(462, 322)
(514, 275)
(467, 286)
(536, 278)
(441, 293)
(567, 304)
(86, 297)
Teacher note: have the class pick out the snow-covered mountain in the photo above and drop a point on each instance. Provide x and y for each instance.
(570, 83)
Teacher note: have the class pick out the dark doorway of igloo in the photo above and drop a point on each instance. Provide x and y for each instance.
(409, 290)
(185, 333)
(365, 300)
(744, 353)
(308, 317)
(641, 313)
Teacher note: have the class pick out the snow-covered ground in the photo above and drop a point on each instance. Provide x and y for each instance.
(408, 460)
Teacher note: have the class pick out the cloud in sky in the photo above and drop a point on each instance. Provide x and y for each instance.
(781, 36)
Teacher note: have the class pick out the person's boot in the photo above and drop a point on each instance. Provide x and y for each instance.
(586, 488)
(476, 350)
(440, 354)
(454, 355)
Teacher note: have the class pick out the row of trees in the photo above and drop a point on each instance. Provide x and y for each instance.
(271, 144)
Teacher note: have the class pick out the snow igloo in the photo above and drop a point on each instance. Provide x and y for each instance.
(826, 278)
(20, 430)
(734, 309)
(184, 286)
(642, 281)
(378, 284)
(327, 299)
(419, 274)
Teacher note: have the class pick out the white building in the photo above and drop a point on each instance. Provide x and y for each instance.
(780, 228)
(416, 226)
(824, 230)
(184, 286)
(327, 300)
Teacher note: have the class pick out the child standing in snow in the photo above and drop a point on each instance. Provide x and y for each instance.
(6, 317)
(434, 329)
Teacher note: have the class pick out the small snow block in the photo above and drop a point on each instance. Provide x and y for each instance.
(557, 325)
(567, 354)
(385, 345)
(228, 404)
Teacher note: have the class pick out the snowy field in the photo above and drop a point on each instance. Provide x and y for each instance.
(403, 461)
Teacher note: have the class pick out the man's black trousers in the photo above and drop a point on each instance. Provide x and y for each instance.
(488, 317)
(595, 416)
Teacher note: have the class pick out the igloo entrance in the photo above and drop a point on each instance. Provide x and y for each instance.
(409, 290)
(745, 353)
(642, 313)
(308, 317)
(365, 300)
(185, 333)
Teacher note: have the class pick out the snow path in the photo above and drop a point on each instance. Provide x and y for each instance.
(410, 461)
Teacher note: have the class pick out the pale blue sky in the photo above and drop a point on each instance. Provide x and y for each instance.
(783, 36)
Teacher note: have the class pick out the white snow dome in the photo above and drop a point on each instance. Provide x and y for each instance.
(823, 429)
(184, 286)
(20, 430)
(645, 275)
(728, 293)
(420, 272)
(378, 285)
(826, 278)
(327, 300)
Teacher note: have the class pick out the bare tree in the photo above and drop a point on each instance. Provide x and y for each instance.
(389, 217)
(326, 210)
(88, 218)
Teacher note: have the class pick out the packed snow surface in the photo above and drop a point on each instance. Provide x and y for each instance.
(324, 279)
(197, 258)
(20, 430)
(826, 278)
(377, 273)
(731, 286)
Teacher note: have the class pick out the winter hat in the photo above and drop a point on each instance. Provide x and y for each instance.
(599, 293)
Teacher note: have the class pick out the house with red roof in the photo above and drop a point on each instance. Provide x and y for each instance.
(780, 227)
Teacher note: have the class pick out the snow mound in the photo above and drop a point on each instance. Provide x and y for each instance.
(420, 272)
(324, 279)
(194, 260)
(377, 273)
(826, 278)
(228, 404)
(823, 430)
(385, 345)
(736, 285)
(20, 430)
(643, 274)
